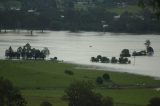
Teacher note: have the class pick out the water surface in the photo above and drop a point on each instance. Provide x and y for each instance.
(79, 47)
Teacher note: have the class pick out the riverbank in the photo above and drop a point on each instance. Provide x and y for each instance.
(47, 80)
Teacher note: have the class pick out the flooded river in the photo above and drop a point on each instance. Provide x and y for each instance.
(80, 47)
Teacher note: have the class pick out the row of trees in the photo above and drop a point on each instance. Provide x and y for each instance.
(26, 52)
(103, 59)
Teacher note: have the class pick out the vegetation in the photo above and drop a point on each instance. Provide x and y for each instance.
(82, 94)
(69, 72)
(154, 101)
(149, 50)
(155, 4)
(45, 103)
(99, 80)
(9, 95)
(26, 52)
(73, 15)
(106, 76)
(125, 53)
(122, 60)
(46, 81)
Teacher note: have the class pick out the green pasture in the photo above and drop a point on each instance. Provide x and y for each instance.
(46, 80)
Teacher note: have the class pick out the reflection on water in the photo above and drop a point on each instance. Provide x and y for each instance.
(79, 47)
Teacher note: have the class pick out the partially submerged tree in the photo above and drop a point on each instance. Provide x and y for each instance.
(27, 52)
(149, 49)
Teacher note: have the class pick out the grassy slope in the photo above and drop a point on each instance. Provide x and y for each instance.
(47, 81)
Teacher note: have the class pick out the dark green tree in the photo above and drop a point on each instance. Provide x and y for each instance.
(9, 95)
(45, 103)
(106, 76)
(99, 80)
(81, 93)
(155, 4)
(155, 101)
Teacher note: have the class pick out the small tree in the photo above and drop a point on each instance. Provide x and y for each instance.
(80, 93)
(154, 101)
(45, 51)
(45, 103)
(9, 95)
(107, 101)
(99, 80)
(106, 76)
(69, 72)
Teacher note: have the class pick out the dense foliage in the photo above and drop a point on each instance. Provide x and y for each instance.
(76, 15)
(81, 93)
(155, 101)
(9, 95)
(27, 52)
(45, 103)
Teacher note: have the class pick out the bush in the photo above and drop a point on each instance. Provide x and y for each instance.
(9, 95)
(81, 93)
(106, 76)
(45, 103)
(154, 101)
(108, 101)
(105, 60)
(99, 80)
(69, 72)
(114, 60)
(125, 53)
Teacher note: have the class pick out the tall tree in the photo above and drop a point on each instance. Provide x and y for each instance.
(155, 4)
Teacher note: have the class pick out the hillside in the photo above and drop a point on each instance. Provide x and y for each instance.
(82, 15)
(46, 80)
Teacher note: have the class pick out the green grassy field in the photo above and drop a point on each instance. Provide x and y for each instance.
(44, 80)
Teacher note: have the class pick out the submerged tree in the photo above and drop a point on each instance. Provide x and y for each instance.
(149, 49)
(27, 53)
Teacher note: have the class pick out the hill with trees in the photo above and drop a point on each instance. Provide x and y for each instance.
(78, 15)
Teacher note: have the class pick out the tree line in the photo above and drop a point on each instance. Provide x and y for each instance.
(26, 52)
(65, 15)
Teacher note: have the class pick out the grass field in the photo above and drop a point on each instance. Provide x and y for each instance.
(46, 80)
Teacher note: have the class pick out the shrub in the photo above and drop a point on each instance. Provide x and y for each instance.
(99, 57)
(114, 60)
(106, 76)
(9, 95)
(105, 60)
(45, 103)
(125, 53)
(69, 72)
(99, 80)
(81, 93)
(154, 101)
(108, 101)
